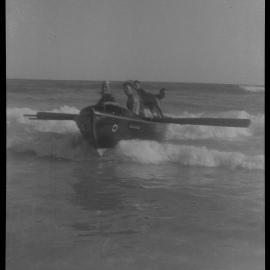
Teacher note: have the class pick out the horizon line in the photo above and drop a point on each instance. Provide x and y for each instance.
(38, 79)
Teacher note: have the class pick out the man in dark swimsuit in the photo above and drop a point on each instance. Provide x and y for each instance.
(148, 100)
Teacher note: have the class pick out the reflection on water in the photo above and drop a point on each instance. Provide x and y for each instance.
(76, 214)
(109, 201)
(190, 215)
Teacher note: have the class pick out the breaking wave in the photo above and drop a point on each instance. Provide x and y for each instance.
(151, 152)
(253, 88)
(61, 139)
(178, 132)
(16, 122)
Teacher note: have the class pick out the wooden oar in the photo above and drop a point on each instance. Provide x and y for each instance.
(51, 116)
(221, 122)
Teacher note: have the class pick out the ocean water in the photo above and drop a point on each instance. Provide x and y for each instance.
(195, 201)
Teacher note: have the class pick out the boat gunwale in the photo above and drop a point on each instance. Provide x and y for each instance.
(127, 118)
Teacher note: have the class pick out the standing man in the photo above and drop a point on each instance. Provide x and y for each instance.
(137, 87)
(150, 105)
(144, 110)
(133, 102)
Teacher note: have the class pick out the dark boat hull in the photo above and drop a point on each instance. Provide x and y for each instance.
(105, 130)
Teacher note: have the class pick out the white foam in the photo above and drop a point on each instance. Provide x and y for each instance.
(150, 152)
(189, 132)
(61, 139)
(17, 122)
(253, 88)
(45, 138)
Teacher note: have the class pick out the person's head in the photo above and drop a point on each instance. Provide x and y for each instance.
(127, 87)
(162, 93)
(105, 88)
(163, 90)
(136, 85)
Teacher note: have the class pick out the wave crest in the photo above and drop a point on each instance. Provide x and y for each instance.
(151, 152)
(61, 139)
(16, 122)
(186, 132)
(253, 88)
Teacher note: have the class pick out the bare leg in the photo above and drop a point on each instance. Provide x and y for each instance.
(159, 108)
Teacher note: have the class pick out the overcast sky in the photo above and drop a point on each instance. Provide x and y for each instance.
(219, 41)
